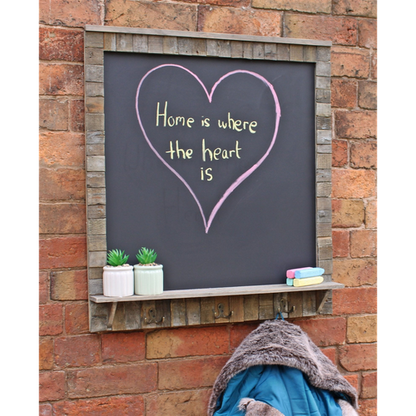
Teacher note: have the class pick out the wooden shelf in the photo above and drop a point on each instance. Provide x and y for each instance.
(217, 292)
(176, 308)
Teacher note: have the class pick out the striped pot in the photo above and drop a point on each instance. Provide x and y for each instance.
(148, 280)
(118, 281)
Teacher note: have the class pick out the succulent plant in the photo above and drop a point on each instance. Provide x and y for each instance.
(117, 257)
(146, 256)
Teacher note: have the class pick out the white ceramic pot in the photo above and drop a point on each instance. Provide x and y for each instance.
(118, 281)
(148, 280)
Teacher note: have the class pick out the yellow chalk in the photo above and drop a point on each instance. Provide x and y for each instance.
(306, 281)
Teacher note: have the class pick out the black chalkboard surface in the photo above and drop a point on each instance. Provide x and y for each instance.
(211, 162)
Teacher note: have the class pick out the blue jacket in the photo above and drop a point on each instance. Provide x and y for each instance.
(284, 388)
(285, 373)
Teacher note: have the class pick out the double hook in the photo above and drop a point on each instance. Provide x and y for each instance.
(221, 312)
(152, 317)
(283, 307)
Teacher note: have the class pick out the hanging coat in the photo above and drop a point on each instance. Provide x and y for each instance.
(278, 371)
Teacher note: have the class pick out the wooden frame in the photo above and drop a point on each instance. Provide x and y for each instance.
(203, 306)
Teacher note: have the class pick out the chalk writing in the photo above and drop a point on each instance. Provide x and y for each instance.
(163, 119)
(172, 121)
(211, 152)
(238, 125)
(185, 154)
(219, 153)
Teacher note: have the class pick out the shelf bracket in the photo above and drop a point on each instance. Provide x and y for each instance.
(322, 303)
(111, 316)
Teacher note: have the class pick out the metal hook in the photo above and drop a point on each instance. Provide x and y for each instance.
(281, 308)
(221, 312)
(152, 315)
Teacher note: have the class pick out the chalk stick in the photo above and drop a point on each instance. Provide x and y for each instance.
(289, 281)
(313, 271)
(308, 281)
(291, 273)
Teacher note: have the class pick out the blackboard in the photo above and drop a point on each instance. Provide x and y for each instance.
(211, 162)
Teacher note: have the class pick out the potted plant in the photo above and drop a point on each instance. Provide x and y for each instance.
(118, 277)
(148, 276)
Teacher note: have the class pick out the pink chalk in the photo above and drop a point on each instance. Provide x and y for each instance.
(291, 273)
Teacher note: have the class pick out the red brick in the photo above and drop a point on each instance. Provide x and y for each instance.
(362, 329)
(239, 332)
(45, 353)
(76, 318)
(234, 20)
(356, 124)
(367, 95)
(367, 33)
(353, 380)
(353, 184)
(356, 357)
(45, 409)
(61, 184)
(347, 213)
(69, 285)
(51, 385)
(61, 44)
(368, 407)
(354, 300)
(371, 214)
(339, 153)
(350, 62)
(369, 385)
(123, 347)
(62, 219)
(187, 342)
(53, 114)
(310, 6)
(190, 374)
(66, 13)
(340, 243)
(43, 287)
(61, 149)
(363, 243)
(76, 115)
(77, 351)
(105, 406)
(373, 72)
(61, 252)
(325, 332)
(339, 30)
(365, 8)
(355, 272)
(232, 3)
(330, 353)
(343, 93)
(61, 79)
(364, 154)
(107, 381)
(184, 403)
(156, 15)
(50, 319)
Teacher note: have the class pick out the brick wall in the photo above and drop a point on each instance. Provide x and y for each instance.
(171, 371)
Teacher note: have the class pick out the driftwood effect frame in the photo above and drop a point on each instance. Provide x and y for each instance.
(217, 305)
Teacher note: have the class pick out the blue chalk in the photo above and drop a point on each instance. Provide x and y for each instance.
(314, 271)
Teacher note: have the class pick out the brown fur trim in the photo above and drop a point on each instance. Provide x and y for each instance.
(347, 409)
(279, 342)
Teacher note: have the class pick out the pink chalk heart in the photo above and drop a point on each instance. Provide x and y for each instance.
(187, 123)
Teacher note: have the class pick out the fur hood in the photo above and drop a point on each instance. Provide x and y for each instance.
(279, 342)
